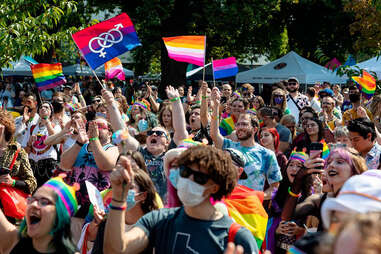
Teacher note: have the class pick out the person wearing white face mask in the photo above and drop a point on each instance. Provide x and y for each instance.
(204, 172)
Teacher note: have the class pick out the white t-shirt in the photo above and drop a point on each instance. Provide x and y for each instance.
(42, 133)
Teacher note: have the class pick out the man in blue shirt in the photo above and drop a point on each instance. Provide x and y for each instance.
(261, 163)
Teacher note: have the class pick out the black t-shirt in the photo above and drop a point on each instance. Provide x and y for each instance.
(171, 230)
(25, 245)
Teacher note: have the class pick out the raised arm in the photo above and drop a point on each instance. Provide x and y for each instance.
(178, 116)
(59, 137)
(116, 120)
(204, 105)
(215, 134)
(116, 240)
(77, 90)
(154, 105)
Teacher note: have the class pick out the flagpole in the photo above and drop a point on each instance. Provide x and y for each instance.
(203, 72)
(102, 85)
(214, 81)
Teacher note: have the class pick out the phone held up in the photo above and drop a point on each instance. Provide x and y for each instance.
(316, 147)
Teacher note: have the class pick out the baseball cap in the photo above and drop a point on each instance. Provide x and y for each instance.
(239, 159)
(293, 79)
(359, 194)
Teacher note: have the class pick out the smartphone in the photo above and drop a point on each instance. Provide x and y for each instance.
(315, 148)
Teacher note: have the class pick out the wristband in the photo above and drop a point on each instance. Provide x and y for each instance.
(13, 183)
(174, 99)
(93, 139)
(204, 97)
(118, 208)
(198, 102)
(79, 143)
(119, 201)
(293, 194)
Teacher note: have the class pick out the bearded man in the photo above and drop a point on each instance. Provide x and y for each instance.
(261, 163)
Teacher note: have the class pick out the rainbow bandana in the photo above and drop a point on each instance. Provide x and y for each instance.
(300, 156)
(65, 192)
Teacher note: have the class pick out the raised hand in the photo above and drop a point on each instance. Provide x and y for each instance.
(108, 96)
(26, 114)
(171, 92)
(93, 130)
(82, 135)
(122, 178)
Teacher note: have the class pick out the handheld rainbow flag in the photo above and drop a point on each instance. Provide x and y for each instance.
(47, 75)
(114, 68)
(366, 84)
(104, 41)
(188, 48)
(223, 68)
(227, 125)
(325, 153)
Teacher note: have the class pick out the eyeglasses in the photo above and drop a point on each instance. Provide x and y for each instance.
(198, 177)
(158, 133)
(311, 126)
(42, 202)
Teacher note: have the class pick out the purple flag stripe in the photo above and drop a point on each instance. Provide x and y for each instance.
(225, 67)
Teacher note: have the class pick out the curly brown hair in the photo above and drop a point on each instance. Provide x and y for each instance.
(6, 119)
(216, 163)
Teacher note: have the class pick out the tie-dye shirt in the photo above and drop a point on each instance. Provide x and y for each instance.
(261, 165)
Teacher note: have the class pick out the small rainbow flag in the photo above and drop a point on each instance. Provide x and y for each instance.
(325, 152)
(227, 126)
(114, 68)
(366, 84)
(188, 48)
(47, 75)
(223, 68)
(245, 207)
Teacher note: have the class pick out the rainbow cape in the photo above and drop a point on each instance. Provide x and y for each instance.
(47, 76)
(245, 207)
(227, 126)
(114, 68)
(189, 48)
(366, 84)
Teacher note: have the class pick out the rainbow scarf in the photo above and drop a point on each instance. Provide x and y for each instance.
(245, 207)
(227, 125)
(366, 84)
(65, 192)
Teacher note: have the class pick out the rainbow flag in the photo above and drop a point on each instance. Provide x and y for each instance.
(114, 68)
(188, 48)
(325, 152)
(245, 207)
(47, 76)
(227, 126)
(103, 41)
(366, 84)
(223, 68)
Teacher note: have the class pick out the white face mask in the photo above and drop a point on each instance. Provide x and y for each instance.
(189, 192)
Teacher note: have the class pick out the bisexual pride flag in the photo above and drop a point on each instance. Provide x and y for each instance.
(225, 67)
(102, 42)
(47, 75)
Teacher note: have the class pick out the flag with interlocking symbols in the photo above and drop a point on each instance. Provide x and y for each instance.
(104, 41)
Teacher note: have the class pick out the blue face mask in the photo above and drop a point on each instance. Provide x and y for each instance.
(131, 202)
(100, 114)
(174, 175)
(143, 125)
(278, 100)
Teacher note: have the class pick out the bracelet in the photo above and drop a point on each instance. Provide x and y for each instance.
(13, 183)
(293, 194)
(204, 97)
(175, 99)
(93, 139)
(79, 143)
(118, 208)
(197, 102)
(119, 201)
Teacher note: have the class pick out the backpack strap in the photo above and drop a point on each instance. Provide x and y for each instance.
(234, 227)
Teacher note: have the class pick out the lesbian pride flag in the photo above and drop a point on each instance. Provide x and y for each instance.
(102, 42)
(47, 75)
(189, 48)
(225, 67)
(114, 68)
(366, 84)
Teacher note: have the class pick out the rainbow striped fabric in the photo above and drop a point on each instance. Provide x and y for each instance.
(188, 48)
(114, 68)
(227, 125)
(366, 84)
(325, 152)
(47, 75)
(300, 156)
(245, 207)
(226, 67)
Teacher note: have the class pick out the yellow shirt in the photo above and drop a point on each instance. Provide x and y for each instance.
(351, 114)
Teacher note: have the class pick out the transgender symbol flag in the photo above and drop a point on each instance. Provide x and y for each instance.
(103, 41)
(225, 67)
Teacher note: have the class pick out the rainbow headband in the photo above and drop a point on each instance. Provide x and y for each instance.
(65, 192)
(141, 104)
(300, 156)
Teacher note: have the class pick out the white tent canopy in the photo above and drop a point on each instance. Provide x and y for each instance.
(78, 70)
(371, 65)
(290, 65)
(20, 68)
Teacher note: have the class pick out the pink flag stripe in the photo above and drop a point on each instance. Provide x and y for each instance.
(188, 51)
(177, 56)
(218, 68)
(226, 61)
(188, 59)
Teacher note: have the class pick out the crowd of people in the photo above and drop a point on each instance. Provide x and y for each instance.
(199, 169)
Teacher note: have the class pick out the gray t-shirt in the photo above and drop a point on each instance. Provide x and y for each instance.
(171, 230)
(284, 133)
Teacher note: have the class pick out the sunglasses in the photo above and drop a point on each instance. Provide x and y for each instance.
(198, 177)
(158, 133)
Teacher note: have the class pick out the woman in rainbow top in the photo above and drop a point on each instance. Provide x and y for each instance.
(46, 226)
